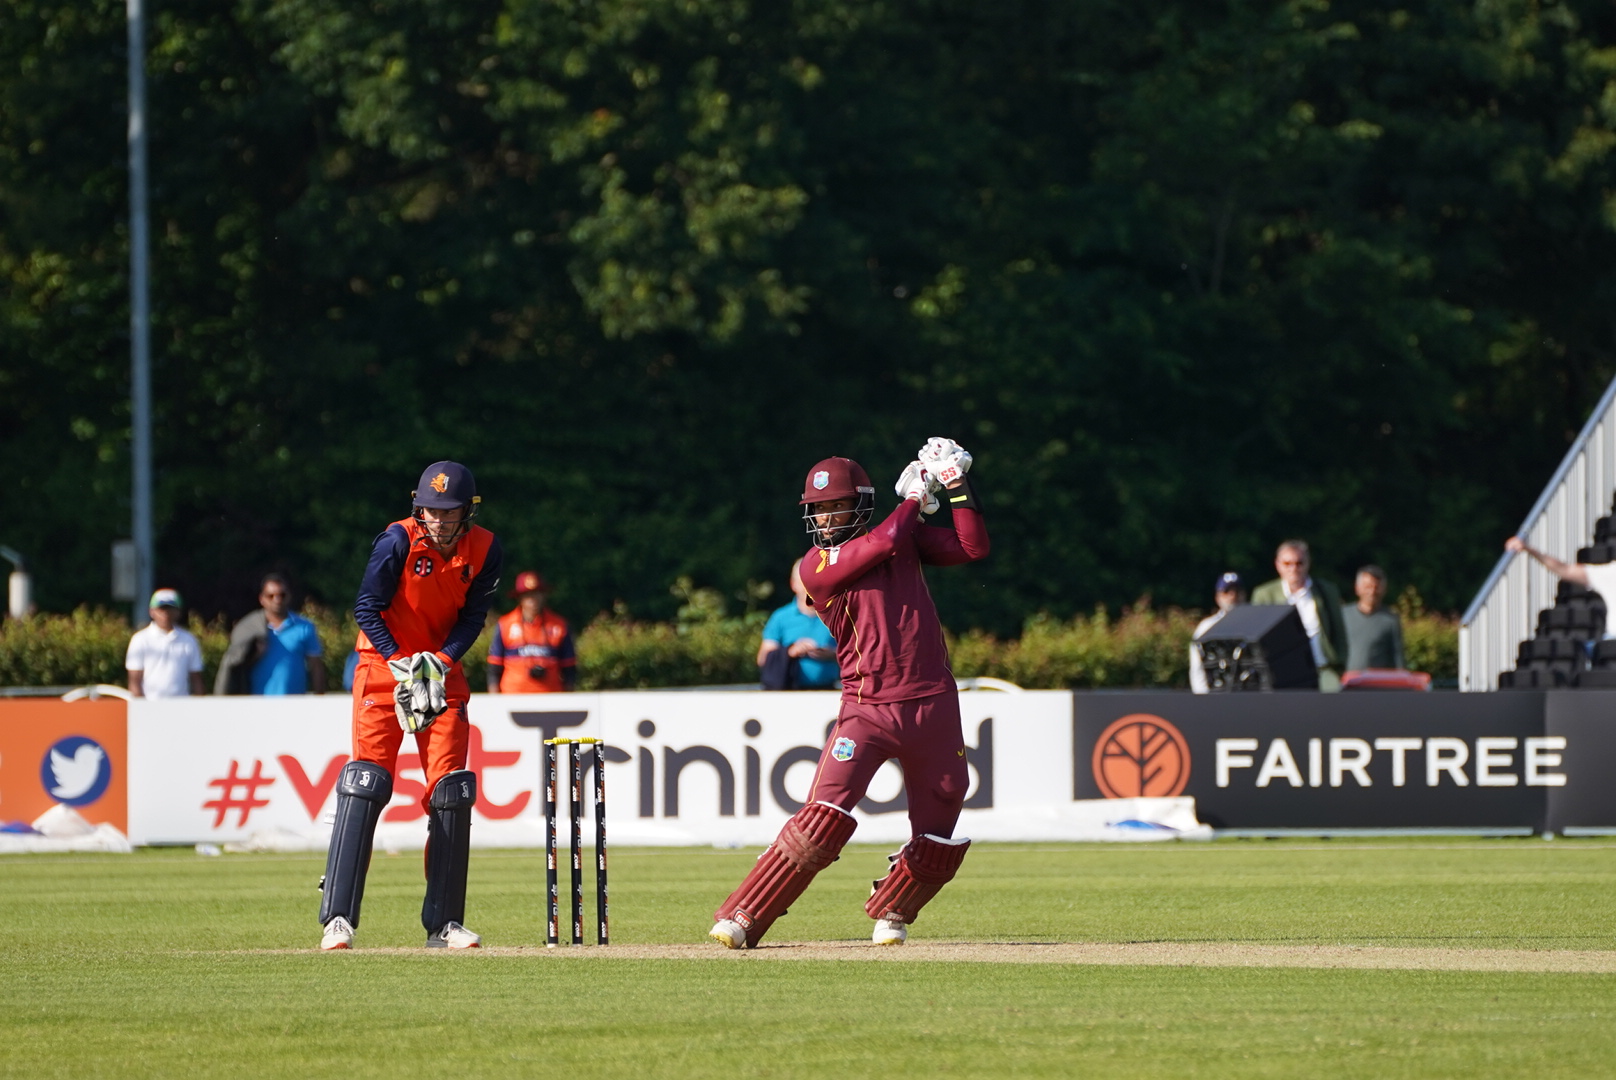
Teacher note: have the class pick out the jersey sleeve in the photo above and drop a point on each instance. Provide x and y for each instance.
(496, 646)
(377, 587)
(311, 644)
(966, 542)
(827, 571)
(479, 598)
(134, 657)
(194, 647)
(771, 629)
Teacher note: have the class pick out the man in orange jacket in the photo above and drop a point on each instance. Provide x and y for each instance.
(427, 588)
(532, 651)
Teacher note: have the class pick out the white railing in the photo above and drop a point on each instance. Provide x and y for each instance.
(1504, 612)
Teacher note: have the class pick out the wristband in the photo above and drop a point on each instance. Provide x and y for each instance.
(962, 497)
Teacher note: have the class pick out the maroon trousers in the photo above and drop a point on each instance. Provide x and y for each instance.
(925, 737)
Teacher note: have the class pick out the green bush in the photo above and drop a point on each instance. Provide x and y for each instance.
(1141, 647)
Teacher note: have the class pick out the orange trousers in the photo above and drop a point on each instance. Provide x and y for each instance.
(377, 736)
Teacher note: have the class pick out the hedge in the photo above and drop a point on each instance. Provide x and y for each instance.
(1140, 647)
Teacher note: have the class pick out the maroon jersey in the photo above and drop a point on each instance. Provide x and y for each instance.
(872, 595)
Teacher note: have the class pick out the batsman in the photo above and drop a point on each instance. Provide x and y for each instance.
(425, 595)
(899, 698)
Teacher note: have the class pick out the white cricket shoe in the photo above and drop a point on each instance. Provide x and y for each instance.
(338, 934)
(454, 936)
(728, 933)
(890, 932)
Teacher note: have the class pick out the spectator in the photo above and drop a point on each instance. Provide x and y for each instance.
(1599, 577)
(1228, 592)
(1374, 632)
(1318, 603)
(164, 660)
(531, 651)
(273, 650)
(798, 651)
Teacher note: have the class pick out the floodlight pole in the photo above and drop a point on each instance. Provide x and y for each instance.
(139, 319)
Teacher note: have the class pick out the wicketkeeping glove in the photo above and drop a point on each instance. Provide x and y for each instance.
(945, 460)
(916, 483)
(421, 695)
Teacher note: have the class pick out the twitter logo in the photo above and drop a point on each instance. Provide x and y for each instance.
(76, 771)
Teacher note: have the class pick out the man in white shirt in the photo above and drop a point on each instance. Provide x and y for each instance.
(164, 659)
(1228, 593)
(1600, 577)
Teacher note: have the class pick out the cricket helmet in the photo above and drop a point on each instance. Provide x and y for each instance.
(447, 485)
(831, 479)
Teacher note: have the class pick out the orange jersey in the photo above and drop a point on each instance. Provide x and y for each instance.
(415, 599)
(520, 646)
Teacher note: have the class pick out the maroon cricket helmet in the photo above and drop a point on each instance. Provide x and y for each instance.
(836, 478)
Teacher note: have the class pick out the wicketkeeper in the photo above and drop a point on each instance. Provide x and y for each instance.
(425, 595)
(898, 693)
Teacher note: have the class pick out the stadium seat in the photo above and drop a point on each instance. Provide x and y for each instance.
(1597, 680)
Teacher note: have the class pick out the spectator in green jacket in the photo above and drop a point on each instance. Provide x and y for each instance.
(1318, 603)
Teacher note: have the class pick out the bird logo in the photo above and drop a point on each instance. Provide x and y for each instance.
(75, 771)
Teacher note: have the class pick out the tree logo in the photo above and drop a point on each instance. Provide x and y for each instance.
(1141, 755)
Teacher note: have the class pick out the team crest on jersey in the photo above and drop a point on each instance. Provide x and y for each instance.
(440, 483)
(821, 480)
(842, 749)
(423, 566)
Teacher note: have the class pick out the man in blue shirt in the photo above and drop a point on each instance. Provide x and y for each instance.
(806, 650)
(291, 662)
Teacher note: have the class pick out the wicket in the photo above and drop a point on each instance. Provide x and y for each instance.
(575, 765)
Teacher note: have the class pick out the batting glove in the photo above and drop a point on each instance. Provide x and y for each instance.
(945, 460)
(916, 483)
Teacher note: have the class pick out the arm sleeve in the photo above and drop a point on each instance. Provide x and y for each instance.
(196, 656)
(479, 598)
(966, 542)
(496, 647)
(134, 657)
(858, 556)
(379, 584)
(771, 629)
(567, 652)
(1397, 644)
(314, 648)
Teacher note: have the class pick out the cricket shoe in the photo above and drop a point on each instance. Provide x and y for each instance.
(454, 936)
(338, 934)
(728, 933)
(890, 932)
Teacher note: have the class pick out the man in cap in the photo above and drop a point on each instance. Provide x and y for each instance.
(427, 588)
(531, 651)
(898, 694)
(1228, 593)
(164, 659)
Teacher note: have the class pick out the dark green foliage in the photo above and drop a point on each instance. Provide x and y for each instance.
(1139, 648)
(1189, 277)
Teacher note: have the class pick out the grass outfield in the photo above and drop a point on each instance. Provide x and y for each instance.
(166, 964)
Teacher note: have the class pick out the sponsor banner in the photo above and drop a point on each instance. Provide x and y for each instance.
(684, 767)
(1307, 760)
(64, 753)
(1581, 728)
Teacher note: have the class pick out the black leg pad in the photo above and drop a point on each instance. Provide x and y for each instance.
(448, 850)
(363, 792)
